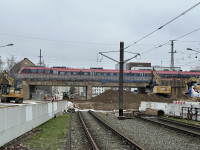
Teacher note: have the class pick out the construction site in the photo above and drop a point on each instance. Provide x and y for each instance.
(155, 97)
(99, 75)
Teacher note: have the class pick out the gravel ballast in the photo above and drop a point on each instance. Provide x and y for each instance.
(150, 136)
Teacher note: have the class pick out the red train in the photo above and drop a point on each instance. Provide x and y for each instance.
(106, 72)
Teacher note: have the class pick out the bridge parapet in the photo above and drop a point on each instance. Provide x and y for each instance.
(103, 79)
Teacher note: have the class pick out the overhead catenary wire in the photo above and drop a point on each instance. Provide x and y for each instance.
(163, 25)
(188, 41)
(166, 43)
(52, 40)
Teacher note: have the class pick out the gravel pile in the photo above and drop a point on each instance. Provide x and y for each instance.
(150, 136)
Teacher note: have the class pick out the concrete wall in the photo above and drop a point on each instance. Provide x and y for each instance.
(17, 120)
(170, 108)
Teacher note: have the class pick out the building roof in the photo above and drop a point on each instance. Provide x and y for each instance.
(24, 63)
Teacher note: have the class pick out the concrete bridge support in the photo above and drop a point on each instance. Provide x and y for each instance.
(27, 90)
(141, 90)
(178, 91)
(88, 92)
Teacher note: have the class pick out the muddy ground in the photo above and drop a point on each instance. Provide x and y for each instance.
(109, 100)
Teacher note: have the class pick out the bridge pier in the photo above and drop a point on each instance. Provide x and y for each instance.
(141, 90)
(88, 92)
(178, 91)
(27, 90)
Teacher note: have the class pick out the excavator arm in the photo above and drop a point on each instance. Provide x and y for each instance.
(154, 74)
(6, 77)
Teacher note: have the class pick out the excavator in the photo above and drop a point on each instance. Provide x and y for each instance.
(157, 87)
(8, 90)
(192, 82)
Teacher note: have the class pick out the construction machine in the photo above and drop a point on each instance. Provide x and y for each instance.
(8, 90)
(157, 87)
(192, 82)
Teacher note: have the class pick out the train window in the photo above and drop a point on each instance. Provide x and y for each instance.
(62, 73)
(98, 73)
(68, 73)
(92, 73)
(41, 71)
(34, 71)
(47, 71)
(85, 73)
(80, 73)
(111, 74)
(74, 73)
(55, 71)
(142, 74)
(26, 71)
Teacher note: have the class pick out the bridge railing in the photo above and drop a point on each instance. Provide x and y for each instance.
(102, 79)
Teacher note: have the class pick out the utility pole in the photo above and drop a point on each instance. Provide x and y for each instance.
(121, 63)
(172, 55)
(40, 57)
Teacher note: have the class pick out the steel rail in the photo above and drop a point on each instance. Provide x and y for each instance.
(92, 142)
(180, 123)
(130, 142)
(68, 135)
(170, 127)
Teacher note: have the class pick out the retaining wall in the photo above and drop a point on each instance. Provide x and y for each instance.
(169, 108)
(17, 120)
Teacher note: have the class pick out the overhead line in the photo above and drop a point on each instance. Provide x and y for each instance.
(169, 42)
(163, 25)
(51, 40)
(187, 41)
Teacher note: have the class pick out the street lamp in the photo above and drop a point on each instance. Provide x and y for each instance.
(7, 45)
(190, 49)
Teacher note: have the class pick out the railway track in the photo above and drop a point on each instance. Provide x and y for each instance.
(102, 136)
(184, 128)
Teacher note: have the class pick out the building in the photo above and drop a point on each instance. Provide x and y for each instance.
(135, 66)
(24, 63)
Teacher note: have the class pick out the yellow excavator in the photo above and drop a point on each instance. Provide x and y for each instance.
(157, 87)
(8, 91)
(191, 82)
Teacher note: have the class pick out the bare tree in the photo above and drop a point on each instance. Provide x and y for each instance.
(1, 64)
(11, 62)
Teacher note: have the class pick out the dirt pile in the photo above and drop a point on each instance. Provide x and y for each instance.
(109, 100)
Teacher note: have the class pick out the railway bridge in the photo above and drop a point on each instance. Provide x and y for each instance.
(29, 82)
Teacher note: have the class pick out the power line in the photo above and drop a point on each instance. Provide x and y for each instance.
(169, 42)
(51, 40)
(188, 41)
(163, 25)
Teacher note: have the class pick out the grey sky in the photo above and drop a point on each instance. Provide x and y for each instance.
(71, 26)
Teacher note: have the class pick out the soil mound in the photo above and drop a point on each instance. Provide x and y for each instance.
(109, 100)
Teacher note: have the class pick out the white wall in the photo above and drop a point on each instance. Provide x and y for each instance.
(169, 108)
(17, 120)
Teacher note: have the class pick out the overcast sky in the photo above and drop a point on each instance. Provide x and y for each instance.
(72, 32)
